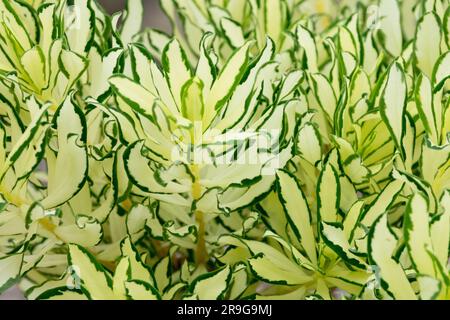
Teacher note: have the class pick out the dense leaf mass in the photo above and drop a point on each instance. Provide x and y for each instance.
(271, 149)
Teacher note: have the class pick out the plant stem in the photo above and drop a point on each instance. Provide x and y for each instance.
(201, 254)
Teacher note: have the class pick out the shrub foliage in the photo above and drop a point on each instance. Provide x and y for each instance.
(273, 149)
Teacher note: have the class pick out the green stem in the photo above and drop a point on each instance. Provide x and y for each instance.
(201, 254)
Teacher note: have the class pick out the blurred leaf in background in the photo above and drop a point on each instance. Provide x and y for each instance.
(154, 17)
